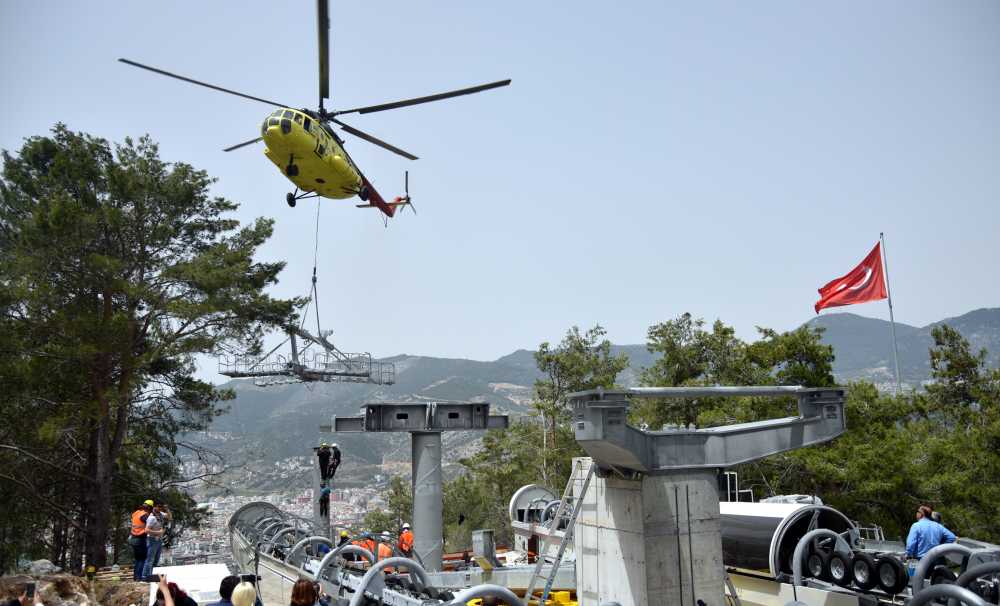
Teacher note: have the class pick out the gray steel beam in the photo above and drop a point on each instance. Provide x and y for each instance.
(708, 391)
(600, 423)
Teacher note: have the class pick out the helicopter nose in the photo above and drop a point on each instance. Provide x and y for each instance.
(274, 125)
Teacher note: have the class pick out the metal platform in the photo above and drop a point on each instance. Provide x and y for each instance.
(328, 364)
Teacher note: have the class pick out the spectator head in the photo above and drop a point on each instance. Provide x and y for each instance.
(175, 592)
(245, 594)
(227, 586)
(936, 516)
(303, 593)
(924, 511)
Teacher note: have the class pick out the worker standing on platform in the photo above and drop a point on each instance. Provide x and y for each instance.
(926, 534)
(384, 546)
(406, 541)
(344, 538)
(367, 542)
(137, 538)
(334, 460)
(323, 454)
(385, 550)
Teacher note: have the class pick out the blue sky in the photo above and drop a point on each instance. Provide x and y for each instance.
(649, 159)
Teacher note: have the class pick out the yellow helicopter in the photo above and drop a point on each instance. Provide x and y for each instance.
(305, 147)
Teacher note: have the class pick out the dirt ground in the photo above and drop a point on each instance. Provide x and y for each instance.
(69, 590)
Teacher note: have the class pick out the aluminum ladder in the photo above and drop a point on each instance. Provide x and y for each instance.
(563, 508)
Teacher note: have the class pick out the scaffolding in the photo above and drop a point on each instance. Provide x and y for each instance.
(328, 364)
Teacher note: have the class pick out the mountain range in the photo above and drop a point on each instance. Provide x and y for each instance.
(267, 425)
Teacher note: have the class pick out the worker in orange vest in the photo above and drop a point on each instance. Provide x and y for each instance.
(385, 550)
(366, 541)
(137, 537)
(406, 541)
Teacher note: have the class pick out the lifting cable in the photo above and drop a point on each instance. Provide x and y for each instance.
(315, 293)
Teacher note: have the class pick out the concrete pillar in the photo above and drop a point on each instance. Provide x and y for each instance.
(322, 524)
(650, 541)
(428, 536)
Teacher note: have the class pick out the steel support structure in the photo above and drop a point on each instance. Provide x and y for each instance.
(425, 422)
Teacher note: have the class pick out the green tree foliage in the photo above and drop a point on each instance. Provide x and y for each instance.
(690, 355)
(580, 362)
(399, 508)
(116, 268)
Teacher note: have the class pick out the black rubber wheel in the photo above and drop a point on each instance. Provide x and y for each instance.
(863, 571)
(839, 569)
(814, 565)
(290, 198)
(891, 575)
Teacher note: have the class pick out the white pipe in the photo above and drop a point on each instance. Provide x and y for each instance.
(359, 592)
(947, 591)
(348, 548)
(301, 544)
(485, 591)
(917, 583)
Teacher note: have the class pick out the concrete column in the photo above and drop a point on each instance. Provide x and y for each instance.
(428, 537)
(683, 540)
(650, 541)
(322, 524)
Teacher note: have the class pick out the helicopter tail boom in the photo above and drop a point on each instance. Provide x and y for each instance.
(375, 200)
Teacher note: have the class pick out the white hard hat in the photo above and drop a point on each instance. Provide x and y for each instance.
(334, 445)
(406, 526)
(385, 535)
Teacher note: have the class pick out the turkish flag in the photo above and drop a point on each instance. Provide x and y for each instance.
(862, 284)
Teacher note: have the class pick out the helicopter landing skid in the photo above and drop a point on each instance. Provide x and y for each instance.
(292, 197)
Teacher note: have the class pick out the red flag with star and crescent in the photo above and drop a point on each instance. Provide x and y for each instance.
(864, 283)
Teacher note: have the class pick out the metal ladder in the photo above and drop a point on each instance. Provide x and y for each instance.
(567, 534)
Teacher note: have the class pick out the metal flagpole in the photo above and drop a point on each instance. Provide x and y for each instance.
(892, 320)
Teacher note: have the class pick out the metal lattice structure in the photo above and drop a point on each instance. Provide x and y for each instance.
(326, 364)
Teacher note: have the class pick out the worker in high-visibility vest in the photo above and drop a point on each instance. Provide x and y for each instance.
(406, 541)
(385, 550)
(137, 537)
(367, 542)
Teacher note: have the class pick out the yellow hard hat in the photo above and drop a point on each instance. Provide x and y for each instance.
(148, 502)
(343, 533)
(324, 444)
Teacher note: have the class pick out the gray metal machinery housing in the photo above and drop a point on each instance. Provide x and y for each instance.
(651, 528)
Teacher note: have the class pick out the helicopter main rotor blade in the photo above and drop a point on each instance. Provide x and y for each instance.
(371, 139)
(323, 21)
(418, 100)
(199, 83)
(244, 144)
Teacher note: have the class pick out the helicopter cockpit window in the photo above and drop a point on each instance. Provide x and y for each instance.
(277, 113)
(288, 113)
(298, 118)
(307, 125)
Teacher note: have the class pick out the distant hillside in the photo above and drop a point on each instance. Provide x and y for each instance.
(863, 346)
(269, 424)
